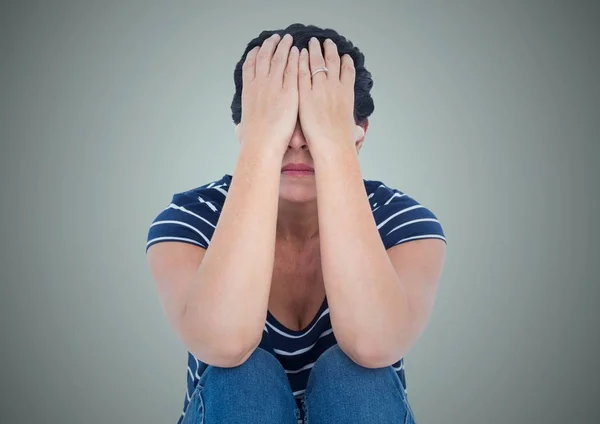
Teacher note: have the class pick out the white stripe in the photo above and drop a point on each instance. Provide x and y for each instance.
(413, 222)
(266, 329)
(277, 330)
(197, 368)
(185, 224)
(182, 209)
(172, 239)
(370, 195)
(191, 373)
(394, 195)
(306, 349)
(218, 188)
(301, 369)
(399, 368)
(298, 393)
(210, 205)
(436, 236)
(410, 208)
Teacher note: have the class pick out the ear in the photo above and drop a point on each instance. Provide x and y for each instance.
(361, 131)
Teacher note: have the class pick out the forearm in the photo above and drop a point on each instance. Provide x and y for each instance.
(368, 306)
(230, 294)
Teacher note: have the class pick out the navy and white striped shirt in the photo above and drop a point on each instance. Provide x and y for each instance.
(191, 217)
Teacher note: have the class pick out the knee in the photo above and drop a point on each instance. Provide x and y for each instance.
(335, 365)
(255, 391)
(338, 385)
(335, 357)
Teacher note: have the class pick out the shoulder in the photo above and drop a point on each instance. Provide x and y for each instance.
(191, 215)
(399, 216)
(210, 196)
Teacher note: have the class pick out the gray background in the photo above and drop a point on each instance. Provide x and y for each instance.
(486, 112)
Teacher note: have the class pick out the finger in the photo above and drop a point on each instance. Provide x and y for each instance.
(290, 77)
(347, 71)
(304, 80)
(263, 59)
(316, 60)
(249, 66)
(280, 58)
(332, 59)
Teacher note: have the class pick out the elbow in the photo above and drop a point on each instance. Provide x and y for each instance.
(241, 356)
(216, 348)
(374, 356)
(374, 360)
(223, 357)
(220, 353)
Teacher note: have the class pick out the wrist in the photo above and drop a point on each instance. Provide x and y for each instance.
(264, 145)
(258, 154)
(327, 151)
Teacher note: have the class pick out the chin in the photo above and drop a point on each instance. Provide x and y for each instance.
(297, 192)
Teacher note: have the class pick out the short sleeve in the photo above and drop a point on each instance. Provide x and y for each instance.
(191, 217)
(400, 218)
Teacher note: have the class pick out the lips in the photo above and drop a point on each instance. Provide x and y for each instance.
(297, 167)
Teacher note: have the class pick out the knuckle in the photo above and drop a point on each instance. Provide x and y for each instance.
(263, 54)
(348, 67)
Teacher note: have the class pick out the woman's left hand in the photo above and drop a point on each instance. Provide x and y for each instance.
(326, 100)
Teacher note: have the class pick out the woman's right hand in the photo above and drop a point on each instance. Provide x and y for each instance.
(270, 94)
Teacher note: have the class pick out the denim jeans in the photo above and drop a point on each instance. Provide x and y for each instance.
(338, 391)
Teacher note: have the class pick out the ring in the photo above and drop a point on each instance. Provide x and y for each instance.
(324, 69)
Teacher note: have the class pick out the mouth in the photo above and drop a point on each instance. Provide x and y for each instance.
(297, 169)
(297, 172)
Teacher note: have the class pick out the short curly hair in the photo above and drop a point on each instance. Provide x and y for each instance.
(363, 101)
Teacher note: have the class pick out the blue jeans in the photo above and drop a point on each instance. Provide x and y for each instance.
(338, 391)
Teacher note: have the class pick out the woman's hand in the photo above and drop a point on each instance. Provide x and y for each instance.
(270, 94)
(326, 99)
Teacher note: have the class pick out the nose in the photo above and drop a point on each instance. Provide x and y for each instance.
(297, 141)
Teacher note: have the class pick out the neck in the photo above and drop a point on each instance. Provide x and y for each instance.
(297, 222)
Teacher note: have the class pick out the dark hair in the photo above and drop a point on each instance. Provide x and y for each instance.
(363, 102)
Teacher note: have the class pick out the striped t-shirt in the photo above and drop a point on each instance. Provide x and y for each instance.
(191, 217)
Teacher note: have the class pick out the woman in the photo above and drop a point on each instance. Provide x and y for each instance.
(292, 312)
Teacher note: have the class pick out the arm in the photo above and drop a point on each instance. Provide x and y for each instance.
(216, 299)
(379, 300)
(378, 303)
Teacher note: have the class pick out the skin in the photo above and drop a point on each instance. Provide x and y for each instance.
(216, 300)
(297, 218)
(297, 207)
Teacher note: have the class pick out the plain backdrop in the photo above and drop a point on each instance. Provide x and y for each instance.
(485, 112)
